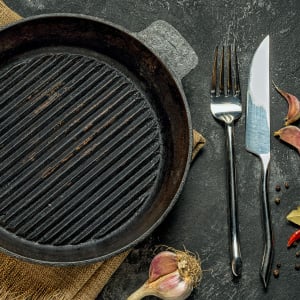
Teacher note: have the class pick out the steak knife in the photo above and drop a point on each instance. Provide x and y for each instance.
(258, 140)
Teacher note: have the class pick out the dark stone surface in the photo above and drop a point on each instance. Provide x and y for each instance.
(199, 219)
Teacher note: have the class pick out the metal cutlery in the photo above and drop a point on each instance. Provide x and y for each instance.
(258, 139)
(226, 106)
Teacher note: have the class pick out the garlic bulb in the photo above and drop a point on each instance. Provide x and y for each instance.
(172, 276)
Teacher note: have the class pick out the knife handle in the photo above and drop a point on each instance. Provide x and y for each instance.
(236, 260)
(268, 233)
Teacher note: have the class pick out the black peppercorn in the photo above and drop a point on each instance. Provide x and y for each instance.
(297, 267)
(286, 185)
(278, 188)
(277, 200)
(278, 265)
(298, 254)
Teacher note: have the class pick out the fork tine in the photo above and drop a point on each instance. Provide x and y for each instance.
(213, 90)
(237, 87)
(221, 85)
(229, 78)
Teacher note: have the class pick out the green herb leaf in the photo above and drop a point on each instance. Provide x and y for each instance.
(294, 216)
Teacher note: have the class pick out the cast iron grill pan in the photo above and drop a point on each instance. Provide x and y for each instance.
(84, 144)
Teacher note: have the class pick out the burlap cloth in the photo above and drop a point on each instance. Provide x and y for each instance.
(22, 280)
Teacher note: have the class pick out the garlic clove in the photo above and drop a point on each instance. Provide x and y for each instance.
(291, 135)
(172, 276)
(167, 287)
(163, 263)
(294, 106)
(173, 287)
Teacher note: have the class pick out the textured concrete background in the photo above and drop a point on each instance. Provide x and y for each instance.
(199, 219)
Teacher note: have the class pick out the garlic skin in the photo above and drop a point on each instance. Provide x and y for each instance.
(294, 106)
(172, 276)
(291, 135)
(173, 287)
(162, 264)
(168, 287)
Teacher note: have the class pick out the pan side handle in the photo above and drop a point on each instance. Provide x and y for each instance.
(170, 46)
(7, 15)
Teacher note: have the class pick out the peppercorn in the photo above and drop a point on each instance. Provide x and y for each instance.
(278, 265)
(277, 200)
(286, 185)
(298, 254)
(297, 267)
(276, 273)
(277, 188)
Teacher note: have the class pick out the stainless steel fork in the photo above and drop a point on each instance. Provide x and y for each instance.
(226, 106)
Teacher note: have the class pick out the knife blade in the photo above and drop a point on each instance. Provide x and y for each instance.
(258, 140)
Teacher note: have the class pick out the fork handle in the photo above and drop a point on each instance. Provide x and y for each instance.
(236, 260)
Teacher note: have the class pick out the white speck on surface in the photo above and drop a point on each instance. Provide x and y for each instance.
(35, 4)
(264, 4)
(162, 3)
(285, 30)
(182, 2)
(261, 3)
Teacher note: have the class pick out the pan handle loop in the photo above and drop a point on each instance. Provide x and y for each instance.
(170, 46)
(7, 15)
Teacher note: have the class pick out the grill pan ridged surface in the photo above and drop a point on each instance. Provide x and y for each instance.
(80, 149)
